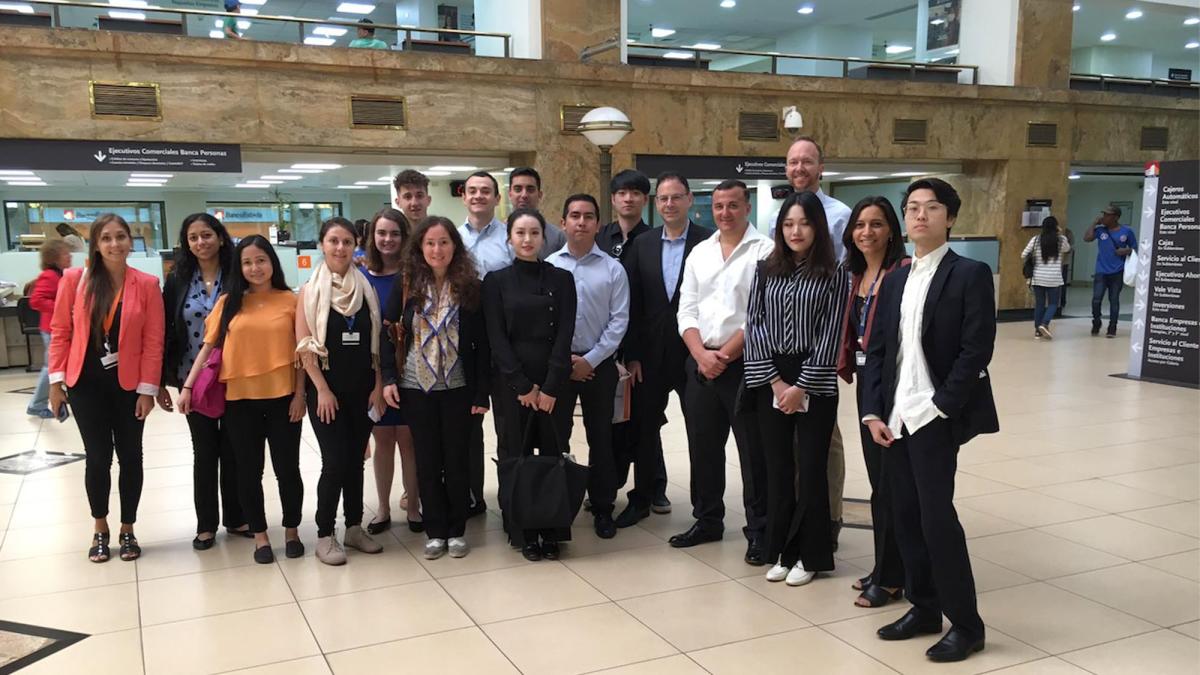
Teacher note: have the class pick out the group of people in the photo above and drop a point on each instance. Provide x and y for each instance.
(527, 318)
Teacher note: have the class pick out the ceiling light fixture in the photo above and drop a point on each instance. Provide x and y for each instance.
(831, 173)
(453, 168)
(1133, 14)
(509, 168)
(151, 175)
(1074, 176)
(1108, 37)
(352, 187)
(250, 185)
(26, 183)
(806, 9)
(861, 178)
(437, 173)
(937, 22)
(728, 4)
(907, 174)
(679, 55)
(1191, 21)
(216, 34)
(704, 45)
(897, 49)
(319, 167)
(1192, 45)
(15, 172)
(1075, 7)
(355, 8)
(306, 205)
(330, 31)
(127, 15)
(15, 7)
(318, 41)
(372, 182)
(273, 177)
(257, 3)
(662, 32)
(301, 171)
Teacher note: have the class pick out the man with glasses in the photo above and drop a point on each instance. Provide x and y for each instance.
(630, 192)
(926, 392)
(654, 352)
(805, 164)
(525, 192)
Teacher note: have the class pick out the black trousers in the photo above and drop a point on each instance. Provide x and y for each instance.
(214, 472)
(938, 580)
(253, 422)
(475, 454)
(441, 423)
(104, 413)
(797, 457)
(644, 433)
(546, 436)
(596, 398)
(889, 566)
(709, 415)
(341, 442)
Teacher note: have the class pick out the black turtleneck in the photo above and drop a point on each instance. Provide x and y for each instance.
(530, 312)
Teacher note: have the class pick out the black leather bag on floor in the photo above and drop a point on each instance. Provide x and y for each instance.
(540, 492)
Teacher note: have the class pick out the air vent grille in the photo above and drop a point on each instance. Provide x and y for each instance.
(570, 115)
(377, 112)
(1041, 135)
(756, 126)
(909, 131)
(1154, 138)
(128, 100)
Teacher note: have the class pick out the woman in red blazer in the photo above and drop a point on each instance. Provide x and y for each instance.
(874, 246)
(106, 346)
(56, 257)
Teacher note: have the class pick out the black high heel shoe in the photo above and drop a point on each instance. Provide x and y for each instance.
(878, 596)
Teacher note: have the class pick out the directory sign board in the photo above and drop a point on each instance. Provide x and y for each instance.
(56, 155)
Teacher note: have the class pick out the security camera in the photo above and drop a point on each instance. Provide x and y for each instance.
(792, 120)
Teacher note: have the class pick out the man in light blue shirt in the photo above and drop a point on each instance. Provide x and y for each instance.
(485, 237)
(601, 318)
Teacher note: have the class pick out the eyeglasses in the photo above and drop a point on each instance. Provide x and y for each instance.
(670, 199)
(929, 208)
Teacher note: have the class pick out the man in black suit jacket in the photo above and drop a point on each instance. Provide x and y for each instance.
(927, 392)
(653, 351)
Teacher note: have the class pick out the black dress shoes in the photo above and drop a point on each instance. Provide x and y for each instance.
(476, 509)
(910, 625)
(604, 525)
(754, 554)
(550, 550)
(532, 552)
(631, 515)
(694, 536)
(956, 645)
(661, 504)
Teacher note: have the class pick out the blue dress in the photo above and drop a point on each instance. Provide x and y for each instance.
(382, 283)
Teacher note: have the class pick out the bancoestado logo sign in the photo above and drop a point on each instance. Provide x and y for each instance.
(55, 155)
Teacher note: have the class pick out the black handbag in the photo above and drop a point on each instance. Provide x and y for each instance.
(1027, 267)
(540, 492)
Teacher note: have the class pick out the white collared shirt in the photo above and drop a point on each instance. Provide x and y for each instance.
(715, 291)
(602, 302)
(913, 407)
(488, 247)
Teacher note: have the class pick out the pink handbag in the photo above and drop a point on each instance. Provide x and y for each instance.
(208, 391)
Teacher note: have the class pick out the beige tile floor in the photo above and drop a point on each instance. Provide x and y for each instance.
(1082, 516)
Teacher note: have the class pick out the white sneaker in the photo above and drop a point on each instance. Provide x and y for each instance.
(1044, 331)
(330, 551)
(777, 573)
(356, 537)
(458, 547)
(435, 548)
(799, 576)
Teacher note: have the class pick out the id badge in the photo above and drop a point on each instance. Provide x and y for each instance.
(860, 359)
(108, 360)
(350, 338)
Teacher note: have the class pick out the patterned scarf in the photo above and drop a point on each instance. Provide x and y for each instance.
(435, 336)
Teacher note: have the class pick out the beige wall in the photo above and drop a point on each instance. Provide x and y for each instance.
(288, 97)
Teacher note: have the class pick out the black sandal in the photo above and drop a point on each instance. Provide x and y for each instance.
(129, 547)
(878, 596)
(99, 551)
(379, 526)
(862, 583)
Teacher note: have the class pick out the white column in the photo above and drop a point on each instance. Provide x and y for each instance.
(520, 18)
(988, 38)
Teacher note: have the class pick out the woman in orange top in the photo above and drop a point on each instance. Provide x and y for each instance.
(106, 346)
(254, 324)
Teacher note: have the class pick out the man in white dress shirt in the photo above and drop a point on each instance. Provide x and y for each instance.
(713, 297)
(926, 375)
(805, 164)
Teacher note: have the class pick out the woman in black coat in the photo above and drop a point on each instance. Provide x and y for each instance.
(530, 312)
(203, 260)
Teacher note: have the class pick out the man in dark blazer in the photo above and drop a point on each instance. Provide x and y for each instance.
(653, 351)
(926, 393)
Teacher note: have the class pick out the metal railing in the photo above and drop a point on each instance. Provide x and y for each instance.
(301, 22)
(1105, 81)
(913, 67)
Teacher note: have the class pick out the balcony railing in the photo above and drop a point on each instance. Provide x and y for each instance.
(1135, 85)
(142, 16)
(833, 66)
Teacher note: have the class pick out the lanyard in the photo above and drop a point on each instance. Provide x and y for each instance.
(350, 321)
(866, 311)
(112, 313)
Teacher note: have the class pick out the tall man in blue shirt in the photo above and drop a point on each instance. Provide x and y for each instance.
(601, 318)
(1114, 244)
(486, 239)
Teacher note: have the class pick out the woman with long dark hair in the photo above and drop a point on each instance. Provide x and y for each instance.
(791, 358)
(530, 312)
(106, 346)
(1047, 250)
(203, 260)
(55, 257)
(874, 247)
(337, 343)
(445, 375)
(254, 324)
(387, 234)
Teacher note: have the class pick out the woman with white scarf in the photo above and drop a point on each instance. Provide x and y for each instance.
(337, 333)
